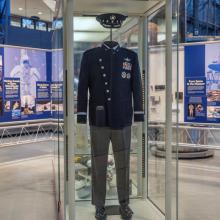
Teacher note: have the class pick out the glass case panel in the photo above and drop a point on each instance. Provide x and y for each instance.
(157, 102)
(156, 107)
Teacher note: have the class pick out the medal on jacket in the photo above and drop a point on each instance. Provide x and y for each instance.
(127, 66)
(123, 75)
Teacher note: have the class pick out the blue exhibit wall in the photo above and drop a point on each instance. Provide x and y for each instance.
(194, 67)
(5, 11)
(24, 37)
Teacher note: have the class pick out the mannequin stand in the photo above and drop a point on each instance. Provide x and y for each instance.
(111, 20)
(112, 210)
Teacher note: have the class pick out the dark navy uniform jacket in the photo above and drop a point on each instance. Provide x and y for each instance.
(111, 74)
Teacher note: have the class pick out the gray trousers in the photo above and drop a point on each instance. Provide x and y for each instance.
(121, 141)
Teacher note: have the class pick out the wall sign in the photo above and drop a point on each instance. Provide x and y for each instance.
(202, 83)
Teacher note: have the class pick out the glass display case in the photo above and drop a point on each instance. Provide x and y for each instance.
(83, 142)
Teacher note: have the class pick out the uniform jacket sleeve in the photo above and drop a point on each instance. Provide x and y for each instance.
(83, 91)
(137, 92)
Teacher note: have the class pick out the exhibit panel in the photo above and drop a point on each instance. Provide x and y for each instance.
(25, 83)
(31, 83)
(202, 83)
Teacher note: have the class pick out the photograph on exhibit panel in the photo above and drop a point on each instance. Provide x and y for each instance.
(1, 68)
(57, 106)
(1, 106)
(57, 65)
(43, 106)
(213, 112)
(7, 106)
(30, 66)
(212, 69)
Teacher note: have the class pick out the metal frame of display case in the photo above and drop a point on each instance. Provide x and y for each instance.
(69, 123)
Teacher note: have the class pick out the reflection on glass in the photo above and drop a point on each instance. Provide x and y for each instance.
(83, 166)
(15, 23)
(41, 25)
(27, 23)
(57, 24)
(202, 19)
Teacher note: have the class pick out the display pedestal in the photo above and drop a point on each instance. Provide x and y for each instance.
(184, 152)
(112, 210)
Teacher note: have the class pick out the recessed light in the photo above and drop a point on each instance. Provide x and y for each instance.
(40, 13)
(20, 9)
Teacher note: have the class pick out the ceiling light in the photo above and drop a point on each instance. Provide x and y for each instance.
(87, 24)
(40, 13)
(90, 37)
(20, 9)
